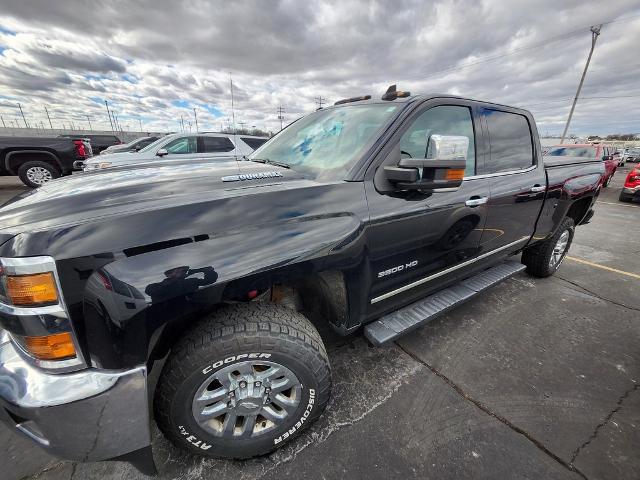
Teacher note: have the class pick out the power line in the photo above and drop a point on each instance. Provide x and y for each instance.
(515, 51)
(568, 99)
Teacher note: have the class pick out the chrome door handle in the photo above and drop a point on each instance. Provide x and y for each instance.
(538, 188)
(474, 202)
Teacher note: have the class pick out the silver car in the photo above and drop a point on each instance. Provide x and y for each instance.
(180, 147)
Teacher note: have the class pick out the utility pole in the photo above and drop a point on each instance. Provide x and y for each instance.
(109, 114)
(25, 120)
(89, 120)
(595, 32)
(233, 113)
(182, 122)
(319, 101)
(195, 115)
(3, 124)
(281, 115)
(140, 122)
(48, 117)
(189, 126)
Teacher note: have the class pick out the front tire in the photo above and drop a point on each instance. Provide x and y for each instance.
(243, 382)
(544, 259)
(35, 173)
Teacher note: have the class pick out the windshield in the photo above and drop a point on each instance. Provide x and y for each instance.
(588, 152)
(327, 143)
(153, 145)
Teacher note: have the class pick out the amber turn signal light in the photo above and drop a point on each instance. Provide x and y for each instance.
(29, 290)
(51, 347)
(454, 174)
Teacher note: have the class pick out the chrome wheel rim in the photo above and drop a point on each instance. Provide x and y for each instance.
(39, 175)
(246, 399)
(559, 249)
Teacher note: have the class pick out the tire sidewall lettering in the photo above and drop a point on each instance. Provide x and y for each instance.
(234, 358)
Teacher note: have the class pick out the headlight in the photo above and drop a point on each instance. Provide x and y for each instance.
(97, 165)
(29, 288)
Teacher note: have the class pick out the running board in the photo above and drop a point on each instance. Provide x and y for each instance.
(393, 325)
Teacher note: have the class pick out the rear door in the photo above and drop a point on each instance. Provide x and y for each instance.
(212, 146)
(417, 241)
(517, 180)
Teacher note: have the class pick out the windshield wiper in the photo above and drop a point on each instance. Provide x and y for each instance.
(270, 162)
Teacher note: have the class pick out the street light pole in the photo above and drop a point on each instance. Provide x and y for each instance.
(109, 114)
(595, 32)
(48, 117)
(196, 117)
(24, 119)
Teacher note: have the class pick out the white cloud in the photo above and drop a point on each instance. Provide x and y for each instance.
(155, 61)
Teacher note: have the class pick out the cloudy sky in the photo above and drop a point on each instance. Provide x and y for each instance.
(155, 61)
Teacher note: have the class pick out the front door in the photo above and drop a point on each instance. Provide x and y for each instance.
(181, 148)
(416, 238)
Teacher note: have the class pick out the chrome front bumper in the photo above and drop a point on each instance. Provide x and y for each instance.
(88, 415)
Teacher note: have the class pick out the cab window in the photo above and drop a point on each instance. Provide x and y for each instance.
(441, 120)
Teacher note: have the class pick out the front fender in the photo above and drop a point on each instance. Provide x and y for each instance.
(134, 304)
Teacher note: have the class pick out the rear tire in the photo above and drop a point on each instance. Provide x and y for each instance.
(544, 259)
(36, 173)
(625, 198)
(215, 396)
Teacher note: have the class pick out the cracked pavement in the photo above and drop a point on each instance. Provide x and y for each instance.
(536, 378)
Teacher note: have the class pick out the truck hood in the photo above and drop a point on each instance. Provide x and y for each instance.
(93, 196)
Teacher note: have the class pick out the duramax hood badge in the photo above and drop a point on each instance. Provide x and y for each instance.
(251, 176)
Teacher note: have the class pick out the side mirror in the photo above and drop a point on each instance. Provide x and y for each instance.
(162, 152)
(443, 168)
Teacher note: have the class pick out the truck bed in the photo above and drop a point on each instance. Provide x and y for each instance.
(562, 161)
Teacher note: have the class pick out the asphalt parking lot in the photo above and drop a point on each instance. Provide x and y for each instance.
(537, 378)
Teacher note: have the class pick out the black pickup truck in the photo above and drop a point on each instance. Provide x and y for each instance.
(37, 160)
(190, 287)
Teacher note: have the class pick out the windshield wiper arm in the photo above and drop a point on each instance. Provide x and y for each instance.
(259, 160)
(270, 162)
(279, 164)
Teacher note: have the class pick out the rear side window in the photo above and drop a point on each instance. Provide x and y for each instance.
(216, 144)
(510, 141)
(253, 142)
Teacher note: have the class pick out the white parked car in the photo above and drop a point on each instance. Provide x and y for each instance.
(180, 147)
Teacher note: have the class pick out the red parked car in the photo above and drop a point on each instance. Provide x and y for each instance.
(589, 150)
(631, 189)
